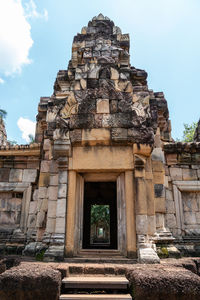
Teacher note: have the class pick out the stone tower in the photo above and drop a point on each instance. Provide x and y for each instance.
(103, 143)
(102, 121)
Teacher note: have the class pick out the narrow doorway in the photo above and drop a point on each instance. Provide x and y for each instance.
(100, 216)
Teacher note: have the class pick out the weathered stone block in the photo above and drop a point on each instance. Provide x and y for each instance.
(158, 155)
(31, 221)
(43, 204)
(54, 179)
(45, 166)
(53, 167)
(40, 223)
(119, 134)
(103, 106)
(33, 163)
(185, 158)
(42, 192)
(166, 181)
(61, 208)
(151, 225)
(160, 220)
(30, 281)
(171, 221)
(60, 225)
(44, 179)
(83, 83)
(159, 190)
(62, 190)
(189, 174)
(51, 223)
(52, 205)
(171, 159)
(47, 144)
(29, 175)
(113, 106)
(147, 255)
(4, 175)
(170, 207)
(159, 177)
(35, 195)
(141, 203)
(16, 175)
(157, 166)
(114, 74)
(53, 192)
(190, 218)
(176, 173)
(63, 177)
(96, 136)
(198, 217)
(76, 135)
(190, 202)
(141, 224)
(160, 205)
(165, 282)
(33, 207)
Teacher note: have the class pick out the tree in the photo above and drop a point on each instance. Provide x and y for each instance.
(100, 213)
(188, 133)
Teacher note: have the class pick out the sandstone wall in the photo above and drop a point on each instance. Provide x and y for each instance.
(183, 194)
(19, 169)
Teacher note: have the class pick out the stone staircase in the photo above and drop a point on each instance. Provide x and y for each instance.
(85, 287)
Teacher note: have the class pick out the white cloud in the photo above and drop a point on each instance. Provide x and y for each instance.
(15, 37)
(1, 81)
(31, 11)
(27, 127)
(15, 34)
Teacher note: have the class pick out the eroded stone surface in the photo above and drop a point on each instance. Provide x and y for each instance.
(30, 281)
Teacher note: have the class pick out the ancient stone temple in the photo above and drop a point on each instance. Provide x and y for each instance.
(104, 176)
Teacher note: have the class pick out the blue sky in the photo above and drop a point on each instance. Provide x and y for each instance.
(36, 38)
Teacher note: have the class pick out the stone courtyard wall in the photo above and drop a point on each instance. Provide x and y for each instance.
(183, 195)
(19, 169)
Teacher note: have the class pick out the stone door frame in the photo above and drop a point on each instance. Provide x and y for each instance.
(98, 163)
(178, 188)
(119, 178)
(26, 189)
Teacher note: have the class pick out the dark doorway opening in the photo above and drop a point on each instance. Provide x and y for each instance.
(100, 215)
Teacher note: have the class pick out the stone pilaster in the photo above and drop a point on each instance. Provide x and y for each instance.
(145, 212)
(56, 219)
(162, 235)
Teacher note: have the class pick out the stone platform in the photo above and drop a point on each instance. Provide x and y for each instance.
(171, 279)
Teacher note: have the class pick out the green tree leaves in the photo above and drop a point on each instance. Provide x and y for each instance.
(188, 133)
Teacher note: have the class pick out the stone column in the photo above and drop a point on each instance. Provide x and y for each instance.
(162, 235)
(145, 213)
(56, 218)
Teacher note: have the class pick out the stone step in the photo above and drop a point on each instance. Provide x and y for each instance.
(101, 260)
(96, 297)
(95, 282)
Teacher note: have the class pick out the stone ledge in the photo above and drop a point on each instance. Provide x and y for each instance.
(182, 147)
(20, 150)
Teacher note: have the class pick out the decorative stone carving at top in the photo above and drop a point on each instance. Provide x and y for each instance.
(99, 74)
